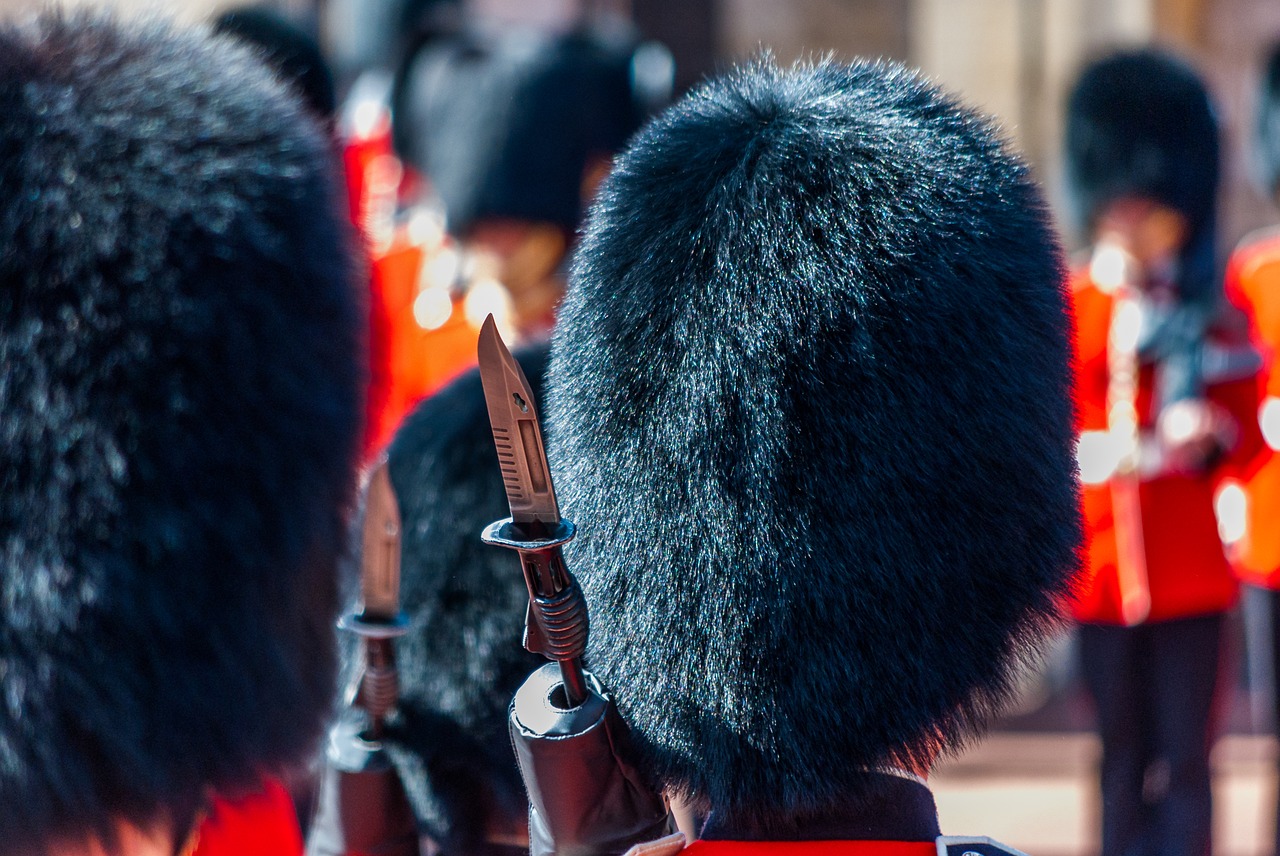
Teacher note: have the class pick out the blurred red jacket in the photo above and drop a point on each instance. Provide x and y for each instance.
(810, 848)
(260, 824)
(1186, 567)
(1253, 285)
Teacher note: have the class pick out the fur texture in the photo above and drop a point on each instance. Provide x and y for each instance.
(463, 658)
(179, 332)
(1140, 123)
(809, 401)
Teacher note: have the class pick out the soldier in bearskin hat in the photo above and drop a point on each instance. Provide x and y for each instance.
(1167, 405)
(1253, 285)
(514, 132)
(460, 660)
(809, 409)
(181, 389)
(499, 142)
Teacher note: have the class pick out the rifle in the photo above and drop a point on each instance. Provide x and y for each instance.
(586, 797)
(361, 807)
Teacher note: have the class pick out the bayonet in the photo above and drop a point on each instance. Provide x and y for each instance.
(556, 622)
(380, 556)
(378, 618)
(362, 807)
(517, 436)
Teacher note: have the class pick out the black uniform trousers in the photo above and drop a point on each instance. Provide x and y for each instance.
(1273, 601)
(1155, 690)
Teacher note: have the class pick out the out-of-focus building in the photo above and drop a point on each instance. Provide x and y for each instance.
(1013, 57)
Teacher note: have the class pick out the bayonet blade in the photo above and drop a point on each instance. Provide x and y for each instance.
(513, 416)
(380, 571)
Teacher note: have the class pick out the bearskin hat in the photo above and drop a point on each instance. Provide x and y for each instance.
(1267, 132)
(809, 408)
(462, 659)
(506, 128)
(179, 334)
(1140, 123)
(287, 49)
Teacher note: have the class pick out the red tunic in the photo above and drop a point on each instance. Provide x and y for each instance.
(261, 824)
(408, 362)
(1186, 568)
(407, 359)
(1253, 284)
(811, 848)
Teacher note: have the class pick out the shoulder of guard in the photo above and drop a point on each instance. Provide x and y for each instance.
(962, 845)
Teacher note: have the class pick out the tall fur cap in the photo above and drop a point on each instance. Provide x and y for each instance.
(506, 128)
(1141, 123)
(180, 396)
(463, 659)
(287, 49)
(810, 411)
(1267, 129)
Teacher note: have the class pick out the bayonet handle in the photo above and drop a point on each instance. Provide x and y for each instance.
(556, 626)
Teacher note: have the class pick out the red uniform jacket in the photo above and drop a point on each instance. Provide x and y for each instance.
(942, 846)
(1186, 567)
(1253, 284)
(811, 848)
(261, 824)
(409, 360)
(409, 357)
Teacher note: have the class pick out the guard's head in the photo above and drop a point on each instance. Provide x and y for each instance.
(462, 659)
(810, 411)
(180, 397)
(1267, 130)
(1140, 126)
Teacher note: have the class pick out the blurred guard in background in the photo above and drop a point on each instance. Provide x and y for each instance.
(509, 134)
(809, 407)
(286, 49)
(461, 660)
(1166, 398)
(181, 395)
(1253, 284)
(514, 134)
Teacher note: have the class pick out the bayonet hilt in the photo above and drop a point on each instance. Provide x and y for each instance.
(378, 687)
(556, 623)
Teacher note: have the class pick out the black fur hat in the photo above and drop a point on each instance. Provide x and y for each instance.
(810, 410)
(287, 49)
(180, 397)
(1140, 123)
(462, 659)
(507, 127)
(1267, 132)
